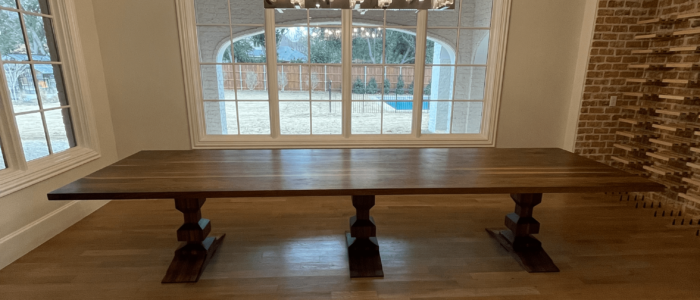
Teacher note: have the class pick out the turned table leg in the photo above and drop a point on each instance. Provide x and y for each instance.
(193, 255)
(363, 248)
(518, 239)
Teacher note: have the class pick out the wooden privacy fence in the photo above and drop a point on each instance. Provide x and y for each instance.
(254, 77)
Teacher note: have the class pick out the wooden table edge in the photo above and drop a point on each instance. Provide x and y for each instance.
(62, 196)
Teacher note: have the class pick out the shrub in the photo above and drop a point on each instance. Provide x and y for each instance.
(399, 85)
(358, 87)
(372, 87)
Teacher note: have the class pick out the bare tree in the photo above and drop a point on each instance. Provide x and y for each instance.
(314, 81)
(14, 72)
(251, 80)
(282, 80)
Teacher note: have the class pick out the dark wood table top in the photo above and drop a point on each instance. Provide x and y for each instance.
(329, 172)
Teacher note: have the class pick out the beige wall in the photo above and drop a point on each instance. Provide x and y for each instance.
(132, 53)
(140, 46)
(143, 68)
(27, 218)
(542, 50)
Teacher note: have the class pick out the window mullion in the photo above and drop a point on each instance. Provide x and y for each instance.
(235, 74)
(346, 31)
(419, 71)
(271, 52)
(308, 66)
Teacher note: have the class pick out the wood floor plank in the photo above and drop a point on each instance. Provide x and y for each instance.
(295, 249)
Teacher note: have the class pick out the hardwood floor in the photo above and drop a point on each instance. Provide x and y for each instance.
(432, 247)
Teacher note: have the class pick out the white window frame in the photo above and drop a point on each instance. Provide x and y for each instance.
(201, 140)
(20, 173)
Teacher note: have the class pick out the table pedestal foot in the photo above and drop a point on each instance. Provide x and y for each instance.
(532, 260)
(518, 239)
(193, 255)
(191, 259)
(364, 262)
(363, 248)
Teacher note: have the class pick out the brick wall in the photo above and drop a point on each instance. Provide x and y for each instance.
(609, 67)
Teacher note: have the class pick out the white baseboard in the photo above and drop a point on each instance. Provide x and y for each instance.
(27, 238)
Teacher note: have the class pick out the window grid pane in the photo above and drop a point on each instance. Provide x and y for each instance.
(383, 94)
(33, 136)
(293, 82)
(212, 12)
(476, 13)
(22, 89)
(251, 82)
(295, 117)
(466, 117)
(309, 69)
(233, 56)
(324, 16)
(246, 12)
(455, 70)
(293, 45)
(254, 117)
(400, 46)
(249, 44)
(51, 87)
(325, 45)
(327, 117)
(41, 38)
(58, 122)
(36, 6)
(12, 38)
(8, 3)
(326, 82)
(218, 123)
(367, 45)
(37, 90)
(401, 17)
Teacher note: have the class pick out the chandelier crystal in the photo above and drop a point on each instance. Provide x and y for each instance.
(355, 4)
(298, 3)
(442, 4)
(384, 3)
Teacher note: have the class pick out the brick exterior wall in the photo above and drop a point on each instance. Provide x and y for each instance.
(608, 68)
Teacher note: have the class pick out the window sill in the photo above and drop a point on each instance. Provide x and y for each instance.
(356, 141)
(13, 180)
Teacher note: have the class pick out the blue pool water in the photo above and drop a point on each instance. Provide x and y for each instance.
(405, 105)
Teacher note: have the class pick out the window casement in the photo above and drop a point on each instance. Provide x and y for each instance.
(286, 78)
(46, 125)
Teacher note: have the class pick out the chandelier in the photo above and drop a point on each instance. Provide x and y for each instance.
(361, 4)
